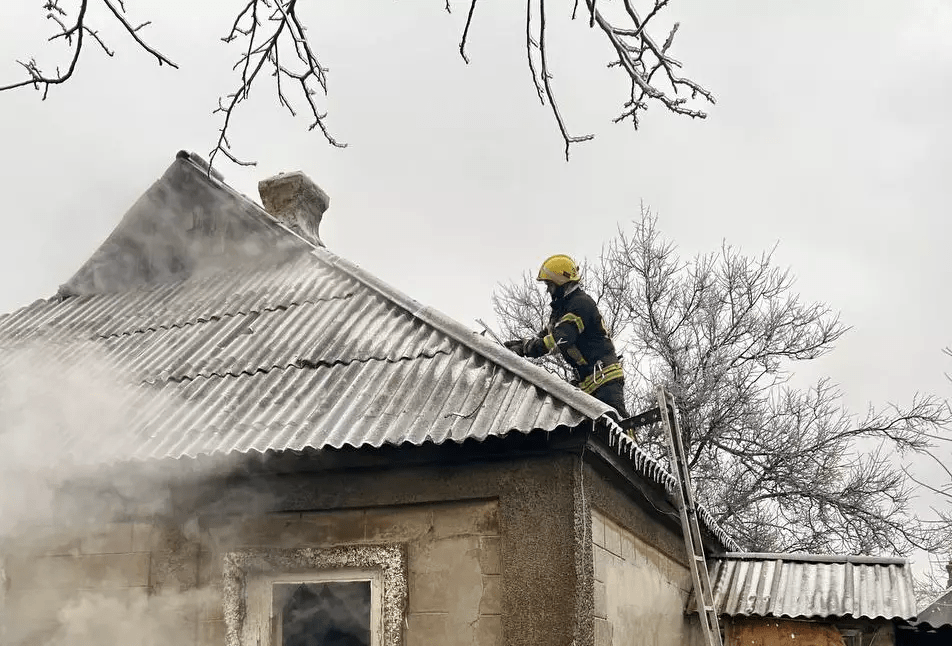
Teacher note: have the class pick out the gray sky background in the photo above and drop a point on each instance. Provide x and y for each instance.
(830, 136)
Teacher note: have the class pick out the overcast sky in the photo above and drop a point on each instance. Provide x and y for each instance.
(830, 136)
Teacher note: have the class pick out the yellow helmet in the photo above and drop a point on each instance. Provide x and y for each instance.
(558, 269)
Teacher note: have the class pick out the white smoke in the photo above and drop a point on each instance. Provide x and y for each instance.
(57, 420)
(158, 620)
(64, 421)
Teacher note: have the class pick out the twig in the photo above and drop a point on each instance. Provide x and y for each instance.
(225, 150)
(530, 42)
(36, 76)
(134, 32)
(631, 46)
(941, 492)
(66, 32)
(490, 330)
(469, 21)
(95, 35)
(568, 139)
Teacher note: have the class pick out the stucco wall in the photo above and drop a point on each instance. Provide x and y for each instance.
(640, 593)
(535, 510)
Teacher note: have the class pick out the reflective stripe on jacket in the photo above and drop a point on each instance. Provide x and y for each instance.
(601, 377)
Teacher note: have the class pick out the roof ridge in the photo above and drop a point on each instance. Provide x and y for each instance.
(537, 376)
(936, 598)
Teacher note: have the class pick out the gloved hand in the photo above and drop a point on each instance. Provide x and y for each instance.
(518, 346)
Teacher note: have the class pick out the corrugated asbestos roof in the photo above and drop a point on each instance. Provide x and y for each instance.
(937, 614)
(811, 586)
(222, 331)
(301, 352)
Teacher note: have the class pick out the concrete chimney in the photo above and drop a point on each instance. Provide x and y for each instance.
(296, 202)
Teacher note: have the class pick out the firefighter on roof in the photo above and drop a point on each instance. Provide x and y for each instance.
(576, 331)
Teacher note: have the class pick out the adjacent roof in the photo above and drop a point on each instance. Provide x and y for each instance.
(938, 614)
(805, 586)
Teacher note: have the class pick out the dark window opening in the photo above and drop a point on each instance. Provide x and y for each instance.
(333, 613)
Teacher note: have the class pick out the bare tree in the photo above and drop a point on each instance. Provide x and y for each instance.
(781, 468)
(938, 578)
(273, 41)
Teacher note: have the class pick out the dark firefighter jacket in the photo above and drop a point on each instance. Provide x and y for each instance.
(576, 329)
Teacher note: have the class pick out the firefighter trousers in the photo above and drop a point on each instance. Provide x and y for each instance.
(613, 394)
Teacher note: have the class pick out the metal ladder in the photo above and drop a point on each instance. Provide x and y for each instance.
(703, 592)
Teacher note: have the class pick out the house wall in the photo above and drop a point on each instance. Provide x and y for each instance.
(497, 551)
(55, 574)
(492, 552)
(640, 593)
(641, 581)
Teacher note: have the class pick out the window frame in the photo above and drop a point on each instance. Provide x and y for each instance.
(249, 576)
(261, 597)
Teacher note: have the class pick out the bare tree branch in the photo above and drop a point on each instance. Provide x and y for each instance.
(39, 80)
(530, 43)
(258, 53)
(636, 52)
(469, 21)
(134, 32)
(36, 76)
(546, 78)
